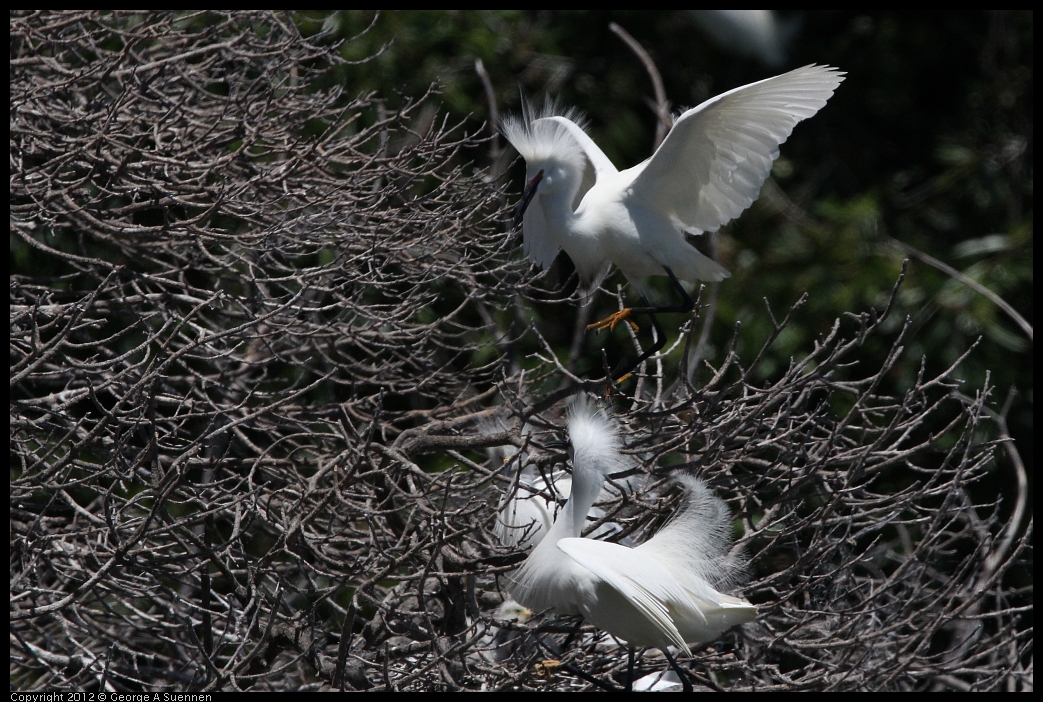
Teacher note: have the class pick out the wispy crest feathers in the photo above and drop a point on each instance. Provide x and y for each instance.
(595, 439)
(539, 140)
(697, 538)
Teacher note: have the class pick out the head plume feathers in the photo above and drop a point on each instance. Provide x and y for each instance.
(541, 140)
(595, 439)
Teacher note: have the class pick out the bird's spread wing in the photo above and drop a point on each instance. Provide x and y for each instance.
(640, 579)
(712, 164)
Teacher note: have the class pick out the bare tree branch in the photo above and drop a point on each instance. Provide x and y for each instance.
(260, 330)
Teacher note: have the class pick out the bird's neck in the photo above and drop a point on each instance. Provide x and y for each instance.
(574, 516)
(580, 243)
(583, 246)
(558, 207)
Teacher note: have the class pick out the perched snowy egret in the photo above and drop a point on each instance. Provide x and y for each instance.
(710, 168)
(661, 593)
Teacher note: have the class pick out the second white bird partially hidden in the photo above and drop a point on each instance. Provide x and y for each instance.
(661, 593)
(710, 168)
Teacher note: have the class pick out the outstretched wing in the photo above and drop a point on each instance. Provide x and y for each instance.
(712, 164)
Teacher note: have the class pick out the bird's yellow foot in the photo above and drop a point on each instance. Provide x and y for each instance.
(546, 668)
(612, 320)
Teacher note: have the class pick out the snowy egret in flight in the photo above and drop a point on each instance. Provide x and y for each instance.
(710, 168)
(661, 593)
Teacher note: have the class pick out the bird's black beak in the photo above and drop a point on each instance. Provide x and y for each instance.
(527, 195)
(559, 445)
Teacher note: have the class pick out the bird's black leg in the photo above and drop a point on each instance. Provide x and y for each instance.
(687, 304)
(685, 682)
(630, 670)
(575, 630)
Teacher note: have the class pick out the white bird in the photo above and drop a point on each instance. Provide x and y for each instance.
(710, 168)
(527, 512)
(661, 593)
(500, 642)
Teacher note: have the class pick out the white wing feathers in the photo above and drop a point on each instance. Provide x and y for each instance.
(697, 538)
(671, 579)
(640, 579)
(712, 164)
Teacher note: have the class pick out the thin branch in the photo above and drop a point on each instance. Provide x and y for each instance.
(662, 107)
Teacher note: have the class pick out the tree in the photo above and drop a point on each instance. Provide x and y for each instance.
(262, 328)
